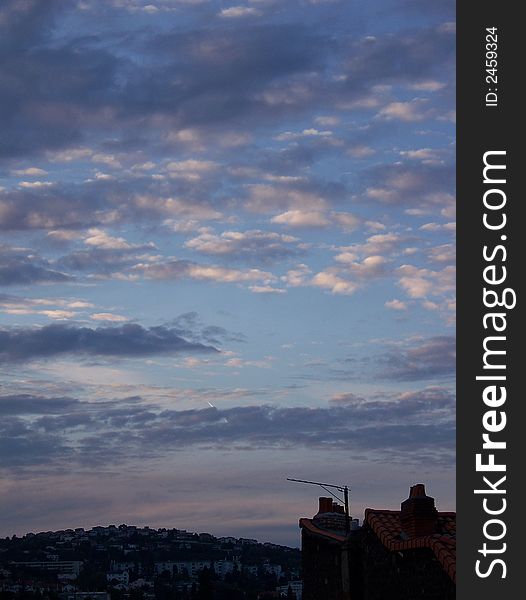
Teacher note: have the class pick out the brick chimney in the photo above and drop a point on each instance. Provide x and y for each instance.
(418, 513)
(325, 505)
(331, 515)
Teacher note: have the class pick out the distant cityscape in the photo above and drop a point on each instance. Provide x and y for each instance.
(141, 563)
(398, 554)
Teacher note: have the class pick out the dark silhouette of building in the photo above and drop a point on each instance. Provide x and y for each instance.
(396, 555)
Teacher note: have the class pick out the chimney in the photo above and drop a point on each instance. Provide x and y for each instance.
(338, 508)
(325, 505)
(418, 513)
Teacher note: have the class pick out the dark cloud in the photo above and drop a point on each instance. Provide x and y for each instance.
(191, 327)
(26, 404)
(434, 358)
(400, 58)
(102, 260)
(417, 184)
(130, 340)
(411, 425)
(19, 266)
(227, 76)
(205, 76)
(93, 202)
(23, 445)
(253, 245)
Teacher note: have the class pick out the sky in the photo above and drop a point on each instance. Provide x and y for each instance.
(227, 257)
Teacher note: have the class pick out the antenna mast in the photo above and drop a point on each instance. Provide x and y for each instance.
(341, 488)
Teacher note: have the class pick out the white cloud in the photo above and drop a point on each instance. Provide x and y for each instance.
(183, 269)
(58, 314)
(64, 235)
(227, 275)
(35, 184)
(300, 218)
(361, 151)
(327, 120)
(100, 239)
(289, 135)
(396, 305)
(69, 155)
(427, 85)
(426, 155)
(191, 169)
(108, 317)
(266, 289)
(298, 276)
(265, 198)
(369, 268)
(421, 282)
(265, 244)
(412, 111)
(304, 218)
(236, 12)
(30, 172)
(107, 159)
(347, 221)
(176, 207)
(331, 280)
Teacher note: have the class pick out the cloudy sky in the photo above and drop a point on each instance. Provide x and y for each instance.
(227, 258)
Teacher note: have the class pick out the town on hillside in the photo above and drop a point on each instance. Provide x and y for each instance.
(143, 563)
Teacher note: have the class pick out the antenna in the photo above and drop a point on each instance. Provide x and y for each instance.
(341, 488)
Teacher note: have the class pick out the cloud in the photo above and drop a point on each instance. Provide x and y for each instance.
(266, 289)
(100, 239)
(298, 276)
(129, 340)
(260, 245)
(403, 425)
(191, 327)
(236, 12)
(301, 218)
(178, 269)
(19, 266)
(110, 317)
(27, 404)
(55, 308)
(317, 219)
(30, 171)
(411, 184)
(421, 282)
(434, 358)
(331, 280)
(263, 198)
(396, 304)
(353, 275)
(413, 111)
(102, 202)
(377, 244)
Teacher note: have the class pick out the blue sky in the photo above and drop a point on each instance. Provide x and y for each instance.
(227, 258)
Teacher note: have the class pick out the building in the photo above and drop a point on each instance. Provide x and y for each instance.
(292, 587)
(61, 566)
(400, 555)
(84, 596)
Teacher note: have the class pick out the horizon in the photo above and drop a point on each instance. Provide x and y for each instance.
(228, 258)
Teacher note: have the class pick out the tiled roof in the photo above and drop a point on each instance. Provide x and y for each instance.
(386, 525)
(309, 525)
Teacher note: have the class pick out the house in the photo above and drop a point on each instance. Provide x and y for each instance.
(400, 555)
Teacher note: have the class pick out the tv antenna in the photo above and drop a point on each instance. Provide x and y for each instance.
(341, 488)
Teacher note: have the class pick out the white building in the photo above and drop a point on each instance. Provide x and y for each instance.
(192, 567)
(223, 567)
(295, 586)
(123, 577)
(274, 569)
(161, 567)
